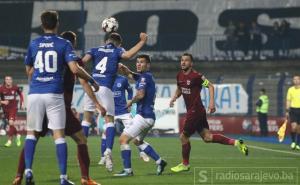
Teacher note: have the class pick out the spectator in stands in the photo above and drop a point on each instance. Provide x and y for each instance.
(230, 43)
(275, 39)
(243, 38)
(255, 40)
(262, 108)
(285, 37)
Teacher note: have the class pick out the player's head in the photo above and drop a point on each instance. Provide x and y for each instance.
(115, 39)
(186, 61)
(262, 91)
(296, 80)
(8, 81)
(49, 20)
(70, 36)
(143, 63)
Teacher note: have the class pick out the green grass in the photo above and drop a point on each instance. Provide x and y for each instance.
(202, 155)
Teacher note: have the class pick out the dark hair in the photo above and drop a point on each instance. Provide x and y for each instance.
(70, 36)
(49, 19)
(263, 90)
(114, 38)
(188, 54)
(145, 56)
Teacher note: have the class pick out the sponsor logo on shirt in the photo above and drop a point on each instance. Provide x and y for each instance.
(185, 90)
(188, 82)
(9, 97)
(44, 79)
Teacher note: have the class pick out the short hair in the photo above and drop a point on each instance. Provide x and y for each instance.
(263, 90)
(188, 54)
(69, 35)
(114, 38)
(145, 56)
(49, 19)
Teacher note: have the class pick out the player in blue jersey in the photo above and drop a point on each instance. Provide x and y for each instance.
(45, 63)
(106, 60)
(122, 112)
(145, 118)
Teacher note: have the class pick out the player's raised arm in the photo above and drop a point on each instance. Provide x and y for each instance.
(124, 70)
(176, 95)
(130, 53)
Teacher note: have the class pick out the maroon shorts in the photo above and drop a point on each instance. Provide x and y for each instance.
(195, 122)
(10, 114)
(73, 125)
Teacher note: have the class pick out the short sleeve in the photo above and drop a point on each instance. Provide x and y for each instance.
(90, 52)
(120, 52)
(28, 58)
(70, 54)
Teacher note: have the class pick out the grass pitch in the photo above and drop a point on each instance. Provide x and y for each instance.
(210, 164)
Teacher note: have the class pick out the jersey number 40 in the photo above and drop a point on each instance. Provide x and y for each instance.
(43, 63)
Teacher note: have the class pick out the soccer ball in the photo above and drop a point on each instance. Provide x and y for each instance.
(2, 132)
(110, 25)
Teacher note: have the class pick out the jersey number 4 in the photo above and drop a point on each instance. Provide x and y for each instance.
(101, 66)
(43, 63)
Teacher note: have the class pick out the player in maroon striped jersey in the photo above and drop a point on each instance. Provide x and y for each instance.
(8, 94)
(189, 85)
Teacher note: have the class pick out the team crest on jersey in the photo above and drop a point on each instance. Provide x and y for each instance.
(13, 92)
(188, 82)
(143, 80)
(119, 84)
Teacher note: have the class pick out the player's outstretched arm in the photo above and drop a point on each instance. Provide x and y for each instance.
(133, 51)
(124, 70)
(79, 71)
(176, 95)
(89, 91)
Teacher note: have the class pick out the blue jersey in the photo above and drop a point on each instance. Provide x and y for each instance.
(145, 107)
(121, 84)
(48, 55)
(105, 63)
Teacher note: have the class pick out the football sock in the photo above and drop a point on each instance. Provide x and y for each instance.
(293, 137)
(85, 127)
(186, 149)
(103, 146)
(62, 155)
(219, 138)
(29, 150)
(84, 160)
(126, 156)
(110, 135)
(149, 151)
(21, 165)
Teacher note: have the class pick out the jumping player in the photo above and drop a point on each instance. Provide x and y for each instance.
(105, 66)
(189, 85)
(144, 120)
(8, 95)
(45, 62)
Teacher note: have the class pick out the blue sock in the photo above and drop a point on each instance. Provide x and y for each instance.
(110, 135)
(85, 127)
(150, 151)
(62, 155)
(86, 130)
(126, 156)
(298, 139)
(29, 150)
(103, 146)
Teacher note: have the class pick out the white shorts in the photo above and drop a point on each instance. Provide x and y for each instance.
(106, 99)
(140, 127)
(40, 104)
(126, 119)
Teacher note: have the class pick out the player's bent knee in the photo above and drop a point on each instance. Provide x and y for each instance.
(79, 138)
(60, 133)
(207, 138)
(123, 139)
(184, 138)
(137, 142)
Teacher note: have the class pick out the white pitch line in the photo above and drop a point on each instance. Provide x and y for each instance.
(273, 150)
